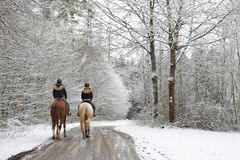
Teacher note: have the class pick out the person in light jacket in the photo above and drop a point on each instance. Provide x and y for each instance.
(87, 96)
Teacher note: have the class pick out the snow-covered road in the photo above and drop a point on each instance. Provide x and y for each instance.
(104, 144)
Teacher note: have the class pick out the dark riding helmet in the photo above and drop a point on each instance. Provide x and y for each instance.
(59, 81)
(86, 84)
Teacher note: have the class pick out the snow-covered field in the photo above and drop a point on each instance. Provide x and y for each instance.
(151, 143)
(183, 144)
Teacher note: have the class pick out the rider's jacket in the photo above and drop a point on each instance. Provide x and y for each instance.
(87, 94)
(59, 91)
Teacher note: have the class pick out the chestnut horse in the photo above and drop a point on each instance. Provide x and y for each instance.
(58, 115)
(85, 116)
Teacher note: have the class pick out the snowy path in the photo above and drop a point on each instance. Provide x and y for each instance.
(104, 144)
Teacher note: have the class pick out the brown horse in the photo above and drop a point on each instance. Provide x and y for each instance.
(58, 115)
(85, 116)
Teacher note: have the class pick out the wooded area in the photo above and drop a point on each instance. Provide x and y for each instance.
(179, 60)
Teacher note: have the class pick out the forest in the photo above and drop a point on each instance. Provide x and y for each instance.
(154, 61)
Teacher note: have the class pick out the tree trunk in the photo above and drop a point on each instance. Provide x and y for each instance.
(234, 100)
(171, 84)
(173, 34)
(196, 86)
(153, 59)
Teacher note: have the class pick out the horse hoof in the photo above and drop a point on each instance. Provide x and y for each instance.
(65, 135)
(53, 137)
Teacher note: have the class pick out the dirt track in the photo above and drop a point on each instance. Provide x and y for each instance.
(104, 144)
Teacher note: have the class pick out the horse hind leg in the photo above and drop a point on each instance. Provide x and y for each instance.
(64, 128)
(84, 136)
(87, 133)
(87, 129)
(53, 131)
(58, 131)
(64, 131)
(84, 132)
(82, 125)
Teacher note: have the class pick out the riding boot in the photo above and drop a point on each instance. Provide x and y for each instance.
(68, 108)
(78, 111)
(68, 111)
(94, 109)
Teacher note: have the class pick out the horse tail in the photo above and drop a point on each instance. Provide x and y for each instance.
(54, 115)
(89, 107)
(81, 111)
(58, 117)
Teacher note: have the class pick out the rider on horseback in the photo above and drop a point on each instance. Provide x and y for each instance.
(59, 91)
(87, 96)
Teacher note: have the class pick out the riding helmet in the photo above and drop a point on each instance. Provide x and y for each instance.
(59, 81)
(86, 84)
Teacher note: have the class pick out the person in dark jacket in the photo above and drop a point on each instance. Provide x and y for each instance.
(87, 96)
(59, 91)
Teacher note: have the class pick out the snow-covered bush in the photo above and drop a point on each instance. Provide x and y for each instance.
(207, 116)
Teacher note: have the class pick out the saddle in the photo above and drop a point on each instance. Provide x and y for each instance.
(89, 102)
(66, 104)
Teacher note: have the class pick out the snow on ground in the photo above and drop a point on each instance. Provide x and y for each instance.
(23, 138)
(151, 143)
(183, 144)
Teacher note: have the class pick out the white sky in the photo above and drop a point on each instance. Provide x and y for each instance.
(151, 143)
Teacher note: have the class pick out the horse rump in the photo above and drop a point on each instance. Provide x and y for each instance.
(85, 116)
